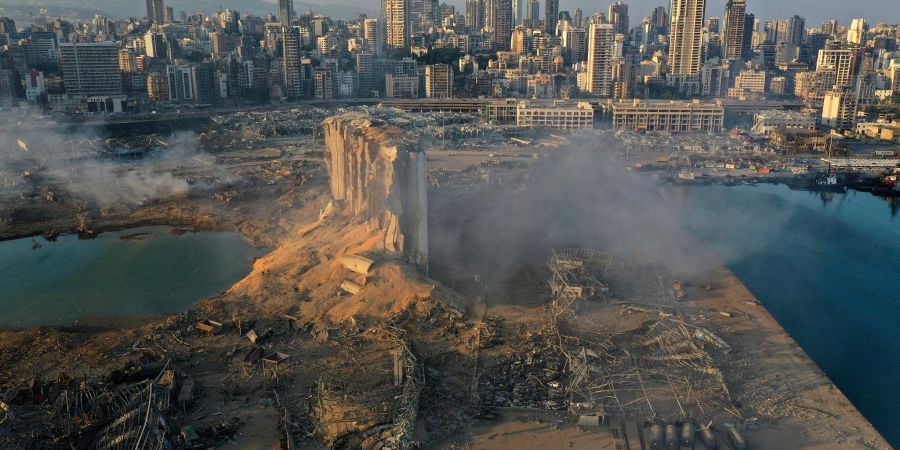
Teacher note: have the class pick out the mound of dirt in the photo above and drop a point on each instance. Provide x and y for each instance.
(303, 276)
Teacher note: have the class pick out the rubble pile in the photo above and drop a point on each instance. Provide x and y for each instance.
(533, 377)
(245, 129)
(489, 172)
(250, 128)
(132, 408)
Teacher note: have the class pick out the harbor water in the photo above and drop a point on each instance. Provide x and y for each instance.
(143, 271)
(827, 267)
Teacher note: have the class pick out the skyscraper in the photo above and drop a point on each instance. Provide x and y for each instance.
(416, 14)
(551, 16)
(796, 27)
(749, 30)
(601, 37)
(475, 14)
(532, 13)
(685, 37)
(839, 109)
(734, 28)
(618, 17)
(90, 68)
(368, 86)
(839, 63)
(285, 12)
(396, 18)
(293, 77)
(577, 18)
(155, 44)
(373, 35)
(502, 23)
(7, 25)
(660, 19)
(857, 31)
(156, 11)
(488, 7)
(438, 81)
(517, 8)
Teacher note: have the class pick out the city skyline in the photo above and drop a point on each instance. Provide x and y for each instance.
(812, 10)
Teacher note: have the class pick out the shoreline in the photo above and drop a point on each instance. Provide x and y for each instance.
(821, 415)
(774, 356)
(111, 227)
(769, 373)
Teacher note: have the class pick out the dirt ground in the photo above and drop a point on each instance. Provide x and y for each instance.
(322, 372)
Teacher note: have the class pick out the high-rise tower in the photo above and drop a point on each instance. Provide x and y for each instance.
(285, 12)
(396, 18)
(685, 37)
(733, 29)
(601, 37)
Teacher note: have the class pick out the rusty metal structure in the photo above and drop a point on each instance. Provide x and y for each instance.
(577, 273)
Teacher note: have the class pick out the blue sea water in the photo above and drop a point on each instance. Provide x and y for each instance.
(827, 267)
(71, 279)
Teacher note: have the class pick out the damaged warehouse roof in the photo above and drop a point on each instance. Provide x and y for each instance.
(253, 127)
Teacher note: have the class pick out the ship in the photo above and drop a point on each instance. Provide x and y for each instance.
(888, 187)
(688, 177)
(828, 182)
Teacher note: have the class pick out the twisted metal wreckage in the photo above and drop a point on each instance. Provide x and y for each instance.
(659, 370)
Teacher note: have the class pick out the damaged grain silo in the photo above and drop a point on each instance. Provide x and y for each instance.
(379, 171)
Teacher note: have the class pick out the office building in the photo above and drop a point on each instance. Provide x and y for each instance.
(839, 109)
(90, 69)
(373, 35)
(7, 25)
(551, 16)
(840, 62)
(765, 122)
(734, 29)
(856, 34)
(686, 44)
(563, 117)
(438, 81)
(600, 37)
(474, 16)
(156, 11)
(532, 11)
(669, 116)
(32, 49)
(660, 19)
(155, 45)
(323, 81)
(285, 12)
(291, 70)
(502, 24)
(396, 18)
(618, 17)
(796, 30)
(367, 86)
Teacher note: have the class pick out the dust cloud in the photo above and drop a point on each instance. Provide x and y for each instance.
(78, 161)
(582, 196)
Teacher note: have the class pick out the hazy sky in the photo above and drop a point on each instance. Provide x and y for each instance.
(815, 11)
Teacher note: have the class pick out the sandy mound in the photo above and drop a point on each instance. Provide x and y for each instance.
(303, 275)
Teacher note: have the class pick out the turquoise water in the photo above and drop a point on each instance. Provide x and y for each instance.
(73, 279)
(828, 268)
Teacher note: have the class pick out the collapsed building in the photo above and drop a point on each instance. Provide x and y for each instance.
(379, 172)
